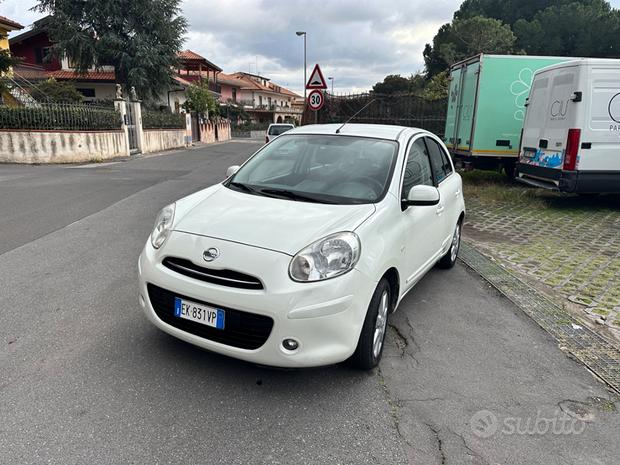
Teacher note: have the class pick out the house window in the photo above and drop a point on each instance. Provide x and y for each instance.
(89, 93)
(38, 55)
(260, 100)
(177, 106)
(234, 95)
(269, 102)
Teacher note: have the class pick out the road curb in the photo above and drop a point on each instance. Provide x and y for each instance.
(599, 355)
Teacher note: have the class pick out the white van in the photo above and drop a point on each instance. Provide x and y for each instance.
(571, 134)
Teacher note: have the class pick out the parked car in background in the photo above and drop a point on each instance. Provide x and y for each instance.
(300, 256)
(571, 136)
(276, 129)
(486, 107)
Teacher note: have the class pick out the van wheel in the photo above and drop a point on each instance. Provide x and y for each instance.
(510, 168)
(449, 259)
(370, 345)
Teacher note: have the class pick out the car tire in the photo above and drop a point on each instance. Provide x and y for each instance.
(449, 259)
(372, 338)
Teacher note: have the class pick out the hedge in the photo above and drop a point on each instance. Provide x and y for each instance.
(59, 116)
(162, 120)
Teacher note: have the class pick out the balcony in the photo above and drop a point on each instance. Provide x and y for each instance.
(213, 87)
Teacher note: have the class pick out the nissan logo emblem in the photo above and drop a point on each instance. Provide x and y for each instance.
(210, 254)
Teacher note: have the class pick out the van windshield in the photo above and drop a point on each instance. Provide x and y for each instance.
(320, 168)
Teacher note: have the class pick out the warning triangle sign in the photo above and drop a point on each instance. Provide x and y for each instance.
(316, 81)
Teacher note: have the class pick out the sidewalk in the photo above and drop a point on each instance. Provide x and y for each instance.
(566, 246)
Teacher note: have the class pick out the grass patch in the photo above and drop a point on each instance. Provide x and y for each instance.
(491, 186)
(495, 187)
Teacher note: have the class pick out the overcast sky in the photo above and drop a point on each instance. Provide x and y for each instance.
(358, 42)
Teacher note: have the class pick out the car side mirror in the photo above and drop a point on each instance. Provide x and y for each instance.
(232, 170)
(421, 196)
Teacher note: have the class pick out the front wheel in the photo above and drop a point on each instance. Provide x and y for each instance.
(370, 345)
(449, 259)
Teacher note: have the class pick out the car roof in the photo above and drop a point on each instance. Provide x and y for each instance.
(381, 131)
(281, 124)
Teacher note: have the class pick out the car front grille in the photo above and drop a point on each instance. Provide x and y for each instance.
(228, 278)
(241, 329)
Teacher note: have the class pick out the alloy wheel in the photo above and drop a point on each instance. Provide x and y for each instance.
(380, 324)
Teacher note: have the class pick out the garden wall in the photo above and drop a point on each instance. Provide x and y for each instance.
(38, 146)
(156, 140)
(214, 132)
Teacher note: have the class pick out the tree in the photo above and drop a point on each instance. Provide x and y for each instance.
(482, 35)
(587, 28)
(543, 27)
(464, 38)
(140, 38)
(6, 61)
(395, 83)
(201, 100)
(437, 87)
(53, 90)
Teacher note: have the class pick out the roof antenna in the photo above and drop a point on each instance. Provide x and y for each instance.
(361, 109)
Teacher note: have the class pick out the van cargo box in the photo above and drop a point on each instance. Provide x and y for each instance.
(486, 105)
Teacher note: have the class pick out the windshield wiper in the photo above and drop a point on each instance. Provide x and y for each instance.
(243, 187)
(283, 193)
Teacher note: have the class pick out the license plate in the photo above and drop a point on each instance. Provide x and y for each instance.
(199, 313)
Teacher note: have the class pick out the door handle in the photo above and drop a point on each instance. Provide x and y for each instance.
(440, 209)
(457, 193)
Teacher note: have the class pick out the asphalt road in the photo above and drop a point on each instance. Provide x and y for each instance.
(84, 379)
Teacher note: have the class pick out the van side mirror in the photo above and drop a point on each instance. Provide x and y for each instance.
(232, 170)
(420, 196)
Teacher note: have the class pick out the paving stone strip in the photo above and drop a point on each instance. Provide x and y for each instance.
(599, 355)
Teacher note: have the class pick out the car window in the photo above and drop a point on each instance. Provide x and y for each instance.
(329, 168)
(417, 169)
(280, 129)
(442, 168)
(280, 162)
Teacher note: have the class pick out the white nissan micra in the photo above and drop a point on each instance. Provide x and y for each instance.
(298, 258)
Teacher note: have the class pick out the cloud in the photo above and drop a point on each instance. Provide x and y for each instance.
(357, 42)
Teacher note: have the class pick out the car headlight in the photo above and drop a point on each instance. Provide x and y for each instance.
(329, 257)
(163, 226)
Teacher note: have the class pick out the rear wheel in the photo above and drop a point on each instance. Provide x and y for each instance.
(449, 259)
(370, 345)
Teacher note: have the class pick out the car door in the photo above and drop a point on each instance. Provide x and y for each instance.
(421, 240)
(449, 185)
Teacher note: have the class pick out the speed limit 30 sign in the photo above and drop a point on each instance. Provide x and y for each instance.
(316, 100)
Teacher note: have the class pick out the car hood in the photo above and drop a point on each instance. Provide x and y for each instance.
(282, 225)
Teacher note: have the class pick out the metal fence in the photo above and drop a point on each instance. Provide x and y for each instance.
(60, 116)
(399, 109)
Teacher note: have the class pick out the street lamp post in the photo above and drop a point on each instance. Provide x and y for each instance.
(332, 79)
(303, 33)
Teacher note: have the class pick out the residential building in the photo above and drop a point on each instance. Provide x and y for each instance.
(7, 25)
(38, 63)
(265, 101)
(191, 69)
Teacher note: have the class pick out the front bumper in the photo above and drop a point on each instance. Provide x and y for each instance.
(325, 317)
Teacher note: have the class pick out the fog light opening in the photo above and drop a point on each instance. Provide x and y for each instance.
(290, 344)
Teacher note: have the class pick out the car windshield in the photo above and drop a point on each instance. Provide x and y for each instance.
(277, 130)
(320, 168)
